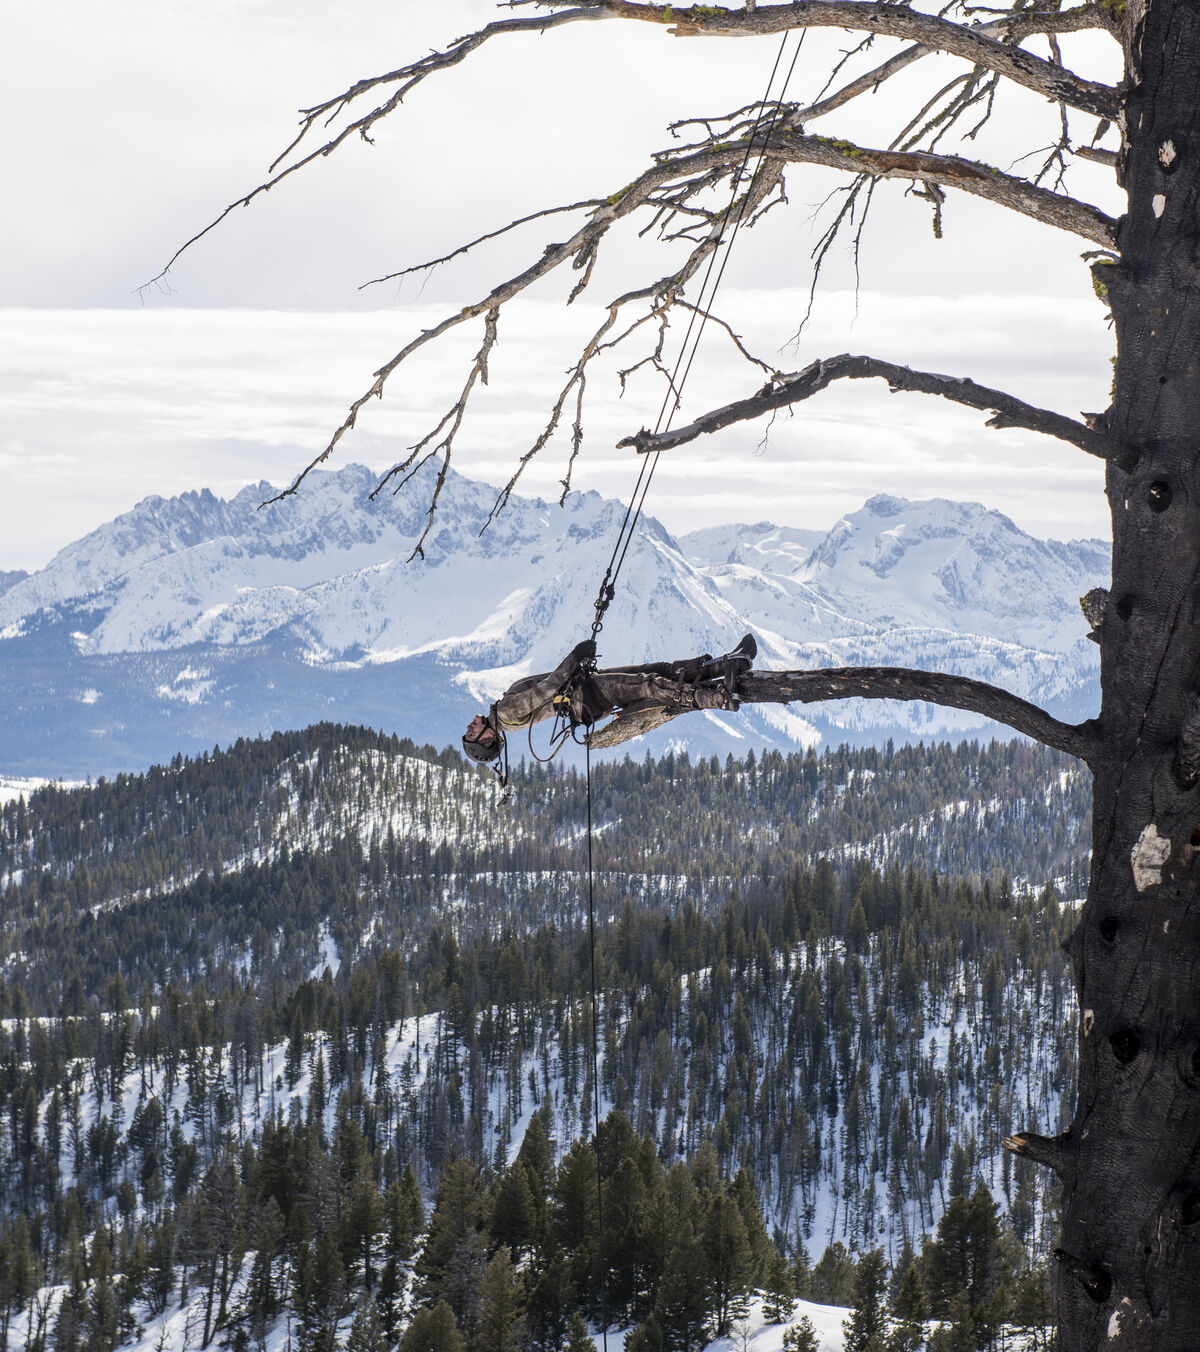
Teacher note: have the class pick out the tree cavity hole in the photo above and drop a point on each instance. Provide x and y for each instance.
(1125, 1045)
(1159, 495)
(1108, 928)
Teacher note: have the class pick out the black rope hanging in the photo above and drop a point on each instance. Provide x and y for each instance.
(673, 397)
(608, 585)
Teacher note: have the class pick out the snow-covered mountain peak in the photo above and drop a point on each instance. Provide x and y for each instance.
(196, 619)
(957, 566)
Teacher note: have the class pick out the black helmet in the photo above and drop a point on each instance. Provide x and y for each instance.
(483, 753)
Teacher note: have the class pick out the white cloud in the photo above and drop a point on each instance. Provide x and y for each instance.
(103, 407)
(158, 115)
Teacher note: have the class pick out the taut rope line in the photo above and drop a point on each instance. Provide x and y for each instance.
(670, 405)
(674, 393)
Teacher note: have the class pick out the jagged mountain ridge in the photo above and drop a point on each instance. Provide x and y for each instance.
(193, 620)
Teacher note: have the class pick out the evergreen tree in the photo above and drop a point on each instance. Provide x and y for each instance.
(451, 1262)
(514, 1214)
(578, 1337)
(501, 1323)
(551, 1300)
(908, 1309)
(1032, 1310)
(744, 1191)
(956, 1333)
(682, 1305)
(102, 1311)
(866, 1328)
(432, 1330)
(403, 1214)
(729, 1261)
(574, 1226)
(963, 1262)
(833, 1277)
(802, 1273)
(366, 1332)
(647, 1337)
(779, 1289)
(801, 1337)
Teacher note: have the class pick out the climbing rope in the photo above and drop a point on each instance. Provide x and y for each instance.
(673, 397)
(670, 405)
(596, 1056)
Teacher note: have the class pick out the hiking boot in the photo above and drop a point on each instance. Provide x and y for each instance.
(732, 665)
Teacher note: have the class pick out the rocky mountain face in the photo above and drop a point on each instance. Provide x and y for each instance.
(195, 620)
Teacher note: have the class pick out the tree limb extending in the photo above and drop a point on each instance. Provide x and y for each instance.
(1014, 28)
(951, 171)
(888, 20)
(406, 77)
(792, 389)
(934, 687)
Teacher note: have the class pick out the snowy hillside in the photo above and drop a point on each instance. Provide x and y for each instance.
(252, 998)
(194, 620)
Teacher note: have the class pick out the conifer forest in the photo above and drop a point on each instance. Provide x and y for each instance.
(296, 1050)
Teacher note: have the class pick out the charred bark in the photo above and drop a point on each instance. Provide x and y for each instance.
(1129, 1272)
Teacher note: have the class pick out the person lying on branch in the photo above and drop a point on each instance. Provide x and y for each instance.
(642, 697)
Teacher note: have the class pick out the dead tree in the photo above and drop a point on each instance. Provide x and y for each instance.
(1129, 1261)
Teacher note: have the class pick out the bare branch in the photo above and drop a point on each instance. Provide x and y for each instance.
(482, 239)
(1098, 155)
(734, 338)
(454, 416)
(889, 20)
(783, 390)
(408, 77)
(1050, 1151)
(934, 687)
(1014, 28)
(951, 171)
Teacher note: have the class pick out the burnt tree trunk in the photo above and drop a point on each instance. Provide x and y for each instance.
(1129, 1266)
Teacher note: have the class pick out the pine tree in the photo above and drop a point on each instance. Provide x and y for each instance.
(366, 1332)
(801, 1337)
(501, 1323)
(514, 1214)
(833, 1277)
(574, 1225)
(403, 1214)
(802, 1273)
(578, 1337)
(867, 1326)
(432, 1330)
(729, 1262)
(957, 1331)
(647, 1337)
(963, 1261)
(908, 1309)
(451, 1262)
(684, 1294)
(779, 1289)
(744, 1192)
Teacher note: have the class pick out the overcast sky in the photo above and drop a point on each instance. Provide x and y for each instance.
(140, 119)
